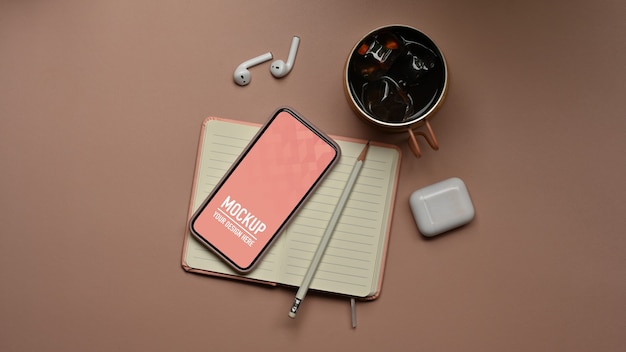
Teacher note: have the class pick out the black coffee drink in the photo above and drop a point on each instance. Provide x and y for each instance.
(397, 74)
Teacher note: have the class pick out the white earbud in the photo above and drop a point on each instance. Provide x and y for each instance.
(279, 68)
(242, 75)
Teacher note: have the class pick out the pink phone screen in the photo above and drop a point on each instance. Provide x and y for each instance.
(264, 189)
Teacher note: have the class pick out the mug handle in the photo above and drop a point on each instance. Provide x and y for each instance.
(432, 141)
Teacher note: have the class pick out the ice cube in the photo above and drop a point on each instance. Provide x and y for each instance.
(415, 62)
(385, 100)
(376, 54)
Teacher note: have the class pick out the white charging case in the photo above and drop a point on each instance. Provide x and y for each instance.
(441, 207)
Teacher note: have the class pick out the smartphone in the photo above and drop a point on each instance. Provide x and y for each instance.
(262, 191)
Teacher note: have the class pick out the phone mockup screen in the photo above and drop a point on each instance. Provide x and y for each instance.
(264, 188)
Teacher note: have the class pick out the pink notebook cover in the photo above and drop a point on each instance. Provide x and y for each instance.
(188, 236)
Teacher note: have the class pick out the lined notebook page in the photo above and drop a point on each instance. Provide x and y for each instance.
(352, 262)
(221, 145)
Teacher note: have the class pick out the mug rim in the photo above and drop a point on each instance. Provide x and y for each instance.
(420, 119)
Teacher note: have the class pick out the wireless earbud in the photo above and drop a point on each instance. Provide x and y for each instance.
(242, 76)
(280, 68)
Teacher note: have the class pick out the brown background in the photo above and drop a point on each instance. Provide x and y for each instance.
(100, 112)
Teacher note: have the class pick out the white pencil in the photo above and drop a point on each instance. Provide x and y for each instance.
(317, 258)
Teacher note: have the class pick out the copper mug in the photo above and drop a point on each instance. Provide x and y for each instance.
(396, 78)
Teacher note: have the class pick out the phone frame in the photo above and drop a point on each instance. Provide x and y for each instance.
(293, 211)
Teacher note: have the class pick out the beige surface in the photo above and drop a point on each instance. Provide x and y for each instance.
(100, 112)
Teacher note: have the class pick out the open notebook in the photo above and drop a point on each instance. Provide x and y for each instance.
(354, 261)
